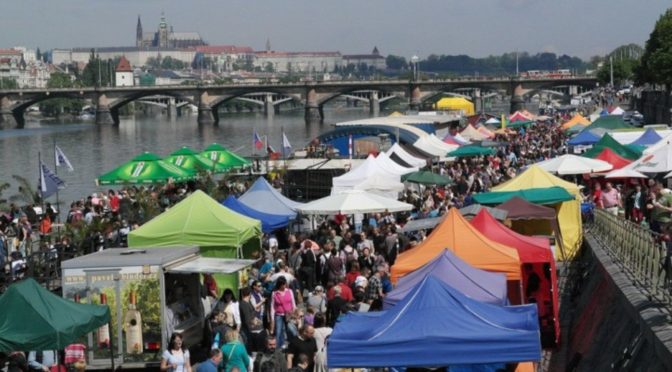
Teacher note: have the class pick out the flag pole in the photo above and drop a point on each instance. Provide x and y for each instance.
(268, 156)
(58, 205)
(41, 175)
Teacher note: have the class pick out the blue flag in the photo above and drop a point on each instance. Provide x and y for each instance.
(49, 182)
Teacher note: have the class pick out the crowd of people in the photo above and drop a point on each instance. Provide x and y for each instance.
(281, 318)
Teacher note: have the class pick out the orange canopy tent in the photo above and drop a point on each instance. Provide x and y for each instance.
(537, 253)
(457, 235)
(576, 119)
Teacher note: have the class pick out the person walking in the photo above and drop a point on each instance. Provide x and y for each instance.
(176, 358)
(282, 305)
(234, 354)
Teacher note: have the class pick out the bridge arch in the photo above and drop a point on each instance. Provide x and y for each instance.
(344, 92)
(20, 107)
(121, 102)
(214, 104)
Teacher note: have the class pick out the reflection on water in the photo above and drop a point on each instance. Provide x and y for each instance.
(95, 149)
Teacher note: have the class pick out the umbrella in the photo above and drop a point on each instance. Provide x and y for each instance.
(427, 178)
(226, 158)
(573, 164)
(190, 160)
(626, 172)
(145, 168)
(656, 162)
(466, 151)
(354, 201)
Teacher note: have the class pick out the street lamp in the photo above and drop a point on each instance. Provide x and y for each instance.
(414, 62)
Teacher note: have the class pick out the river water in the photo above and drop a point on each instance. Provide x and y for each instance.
(96, 149)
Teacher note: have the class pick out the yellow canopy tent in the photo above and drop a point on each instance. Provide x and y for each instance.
(568, 212)
(456, 103)
(576, 119)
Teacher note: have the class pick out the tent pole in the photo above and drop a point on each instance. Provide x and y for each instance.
(111, 346)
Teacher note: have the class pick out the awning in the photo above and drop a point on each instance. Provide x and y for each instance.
(204, 265)
(421, 224)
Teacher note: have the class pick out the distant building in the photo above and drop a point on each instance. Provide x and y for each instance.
(20, 64)
(123, 75)
(299, 62)
(374, 60)
(227, 57)
(165, 37)
(136, 56)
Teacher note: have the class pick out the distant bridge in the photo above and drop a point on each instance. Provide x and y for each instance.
(312, 95)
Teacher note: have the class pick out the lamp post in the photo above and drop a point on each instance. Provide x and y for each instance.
(415, 60)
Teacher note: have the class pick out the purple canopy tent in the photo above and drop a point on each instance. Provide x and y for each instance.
(478, 284)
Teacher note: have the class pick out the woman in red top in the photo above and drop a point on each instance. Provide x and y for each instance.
(597, 196)
(352, 275)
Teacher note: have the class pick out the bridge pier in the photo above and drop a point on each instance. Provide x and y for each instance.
(104, 115)
(313, 110)
(269, 109)
(374, 104)
(206, 115)
(416, 99)
(7, 118)
(172, 108)
(517, 101)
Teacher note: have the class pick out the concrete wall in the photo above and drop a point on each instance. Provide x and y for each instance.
(608, 323)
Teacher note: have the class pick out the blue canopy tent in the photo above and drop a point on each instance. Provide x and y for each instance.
(262, 197)
(433, 326)
(649, 137)
(478, 284)
(269, 222)
(586, 137)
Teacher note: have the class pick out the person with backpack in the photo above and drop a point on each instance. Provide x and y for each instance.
(272, 359)
(46, 360)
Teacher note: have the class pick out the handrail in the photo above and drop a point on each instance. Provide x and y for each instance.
(638, 250)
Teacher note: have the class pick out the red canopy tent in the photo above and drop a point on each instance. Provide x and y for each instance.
(613, 158)
(536, 257)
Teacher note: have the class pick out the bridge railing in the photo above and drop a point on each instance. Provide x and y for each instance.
(641, 252)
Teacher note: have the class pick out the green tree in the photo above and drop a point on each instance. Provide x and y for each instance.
(98, 72)
(656, 65)
(38, 54)
(624, 70)
(8, 83)
(269, 67)
(395, 62)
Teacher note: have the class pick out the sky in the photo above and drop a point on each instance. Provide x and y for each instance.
(478, 28)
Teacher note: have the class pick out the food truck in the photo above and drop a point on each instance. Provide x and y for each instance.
(151, 292)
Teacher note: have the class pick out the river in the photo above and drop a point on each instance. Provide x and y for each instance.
(95, 149)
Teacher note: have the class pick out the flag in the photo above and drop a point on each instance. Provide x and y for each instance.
(350, 146)
(256, 141)
(61, 159)
(272, 154)
(286, 146)
(49, 182)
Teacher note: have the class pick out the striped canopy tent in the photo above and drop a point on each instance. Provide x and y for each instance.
(192, 161)
(146, 168)
(228, 159)
(519, 116)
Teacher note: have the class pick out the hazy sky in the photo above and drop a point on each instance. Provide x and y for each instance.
(475, 27)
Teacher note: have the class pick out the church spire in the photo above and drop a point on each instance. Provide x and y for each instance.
(268, 44)
(138, 33)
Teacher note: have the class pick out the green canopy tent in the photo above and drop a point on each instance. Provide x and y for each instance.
(609, 122)
(427, 178)
(225, 158)
(466, 151)
(200, 220)
(194, 162)
(32, 318)
(546, 195)
(145, 168)
(520, 124)
(609, 142)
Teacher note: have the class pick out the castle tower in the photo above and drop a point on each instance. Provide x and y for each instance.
(268, 45)
(163, 32)
(123, 75)
(138, 34)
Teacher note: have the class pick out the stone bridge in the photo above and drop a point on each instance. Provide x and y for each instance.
(312, 95)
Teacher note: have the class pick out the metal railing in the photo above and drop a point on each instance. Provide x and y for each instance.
(642, 253)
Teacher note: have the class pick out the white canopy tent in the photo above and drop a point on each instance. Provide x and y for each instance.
(390, 166)
(357, 176)
(405, 156)
(666, 141)
(492, 121)
(380, 186)
(353, 201)
(472, 134)
(617, 111)
(656, 162)
(573, 164)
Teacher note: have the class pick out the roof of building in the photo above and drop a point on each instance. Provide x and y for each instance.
(123, 49)
(224, 49)
(363, 56)
(297, 54)
(184, 36)
(124, 65)
(13, 52)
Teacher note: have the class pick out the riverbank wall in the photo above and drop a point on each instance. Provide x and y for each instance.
(608, 322)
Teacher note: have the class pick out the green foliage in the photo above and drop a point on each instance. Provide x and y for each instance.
(98, 72)
(8, 83)
(500, 65)
(269, 67)
(27, 194)
(396, 62)
(58, 106)
(624, 70)
(656, 66)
